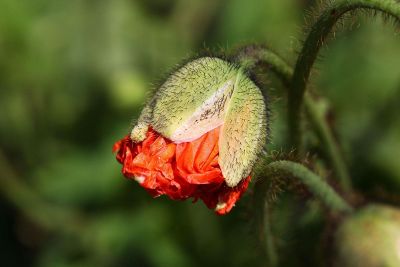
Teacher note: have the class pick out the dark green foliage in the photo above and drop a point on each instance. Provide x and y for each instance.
(73, 74)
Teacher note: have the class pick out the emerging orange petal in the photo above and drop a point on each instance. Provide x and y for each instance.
(197, 161)
(179, 171)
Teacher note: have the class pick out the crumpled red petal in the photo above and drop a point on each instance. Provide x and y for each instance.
(197, 161)
(179, 171)
(224, 198)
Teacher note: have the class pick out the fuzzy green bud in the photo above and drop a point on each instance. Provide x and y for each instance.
(204, 94)
(369, 238)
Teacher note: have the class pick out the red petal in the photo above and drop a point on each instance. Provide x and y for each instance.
(179, 170)
(224, 199)
(207, 155)
(194, 159)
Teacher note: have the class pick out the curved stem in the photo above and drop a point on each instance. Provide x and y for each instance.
(314, 183)
(315, 39)
(249, 56)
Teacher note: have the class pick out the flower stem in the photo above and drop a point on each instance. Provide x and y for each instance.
(249, 56)
(317, 118)
(263, 223)
(315, 39)
(314, 183)
(262, 216)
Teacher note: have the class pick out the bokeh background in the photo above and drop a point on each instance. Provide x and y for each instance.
(75, 73)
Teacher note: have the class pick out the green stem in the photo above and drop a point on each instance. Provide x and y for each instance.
(315, 39)
(250, 56)
(314, 183)
(317, 118)
(263, 223)
(262, 216)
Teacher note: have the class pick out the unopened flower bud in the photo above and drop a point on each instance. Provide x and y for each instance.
(214, 118)
(369, 238)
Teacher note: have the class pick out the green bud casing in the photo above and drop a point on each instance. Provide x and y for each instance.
(205, 94)
(369, 238)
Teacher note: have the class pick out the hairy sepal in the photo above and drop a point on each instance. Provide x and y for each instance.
(244, 131)
(205, 94)
(193, 100)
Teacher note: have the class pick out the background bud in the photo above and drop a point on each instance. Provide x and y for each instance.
(369, 238)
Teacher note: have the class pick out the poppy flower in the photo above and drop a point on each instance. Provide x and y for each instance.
(199, 136)
(179, 171)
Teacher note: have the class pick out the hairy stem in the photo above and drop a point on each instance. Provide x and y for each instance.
(314, 183)
(249, 56)
(263, 223)
(315, 39)
(262, 216)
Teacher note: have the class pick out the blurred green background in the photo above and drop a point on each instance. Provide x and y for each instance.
(75, 73)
